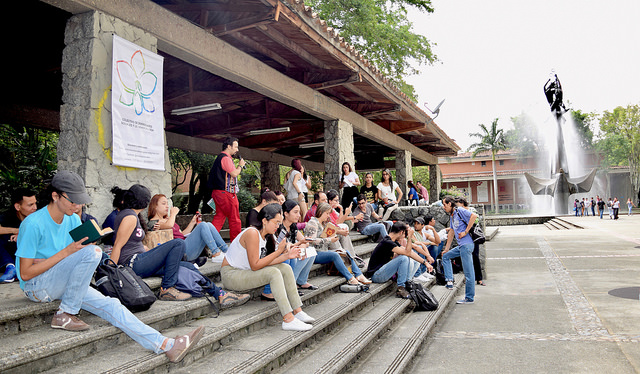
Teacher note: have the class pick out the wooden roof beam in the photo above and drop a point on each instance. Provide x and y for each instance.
(246, 23)
(259, 48)
(279, 38)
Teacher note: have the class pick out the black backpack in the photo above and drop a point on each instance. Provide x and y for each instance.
(440, 278)
(424, 299)
(122, 283)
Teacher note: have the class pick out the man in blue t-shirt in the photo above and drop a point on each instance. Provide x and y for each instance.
(51, 266)
(461, 222)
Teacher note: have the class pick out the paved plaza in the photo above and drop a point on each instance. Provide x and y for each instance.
(546, 307)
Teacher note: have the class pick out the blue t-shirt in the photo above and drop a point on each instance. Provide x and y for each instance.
(413, 193)
(459, 224)
(41, 237)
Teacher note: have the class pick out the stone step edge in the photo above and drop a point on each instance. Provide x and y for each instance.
(411, 347)
(211, 339)
(28, 355)
(573, 225)
(31, 309)
(329, 321)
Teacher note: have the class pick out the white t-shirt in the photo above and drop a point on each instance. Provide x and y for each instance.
(443, 235)
(292, 194)
(388, 192)
(302, 184)
(350, 179)
(426, 232)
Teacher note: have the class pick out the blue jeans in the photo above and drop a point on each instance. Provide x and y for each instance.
(373, 228)
(466, 255)
(203, 234)
(434, 251)
(162, 260)
(400, 265)
(5, 256)
(601, 212)
(325, 257)
(68, 281)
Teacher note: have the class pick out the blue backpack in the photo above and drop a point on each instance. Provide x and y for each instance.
(193, 282)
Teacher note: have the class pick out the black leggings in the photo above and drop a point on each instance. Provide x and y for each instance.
(348, 193)
(476, 262)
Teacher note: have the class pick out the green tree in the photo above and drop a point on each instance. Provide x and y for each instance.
(524, 137)
(28, 158)
(491, 140)
(583, 127)
(621, 132)
(381, 31)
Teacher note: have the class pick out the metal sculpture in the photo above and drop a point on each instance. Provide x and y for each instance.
(560, 186)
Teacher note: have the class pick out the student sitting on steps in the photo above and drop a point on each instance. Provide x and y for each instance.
(51, 266)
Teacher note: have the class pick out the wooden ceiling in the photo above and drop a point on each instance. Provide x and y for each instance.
(288, 38)
(300, 46)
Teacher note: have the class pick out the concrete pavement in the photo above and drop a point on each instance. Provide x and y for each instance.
(546, 307)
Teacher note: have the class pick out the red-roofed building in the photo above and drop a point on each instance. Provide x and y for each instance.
(474, 176)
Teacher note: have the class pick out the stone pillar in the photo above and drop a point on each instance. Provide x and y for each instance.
(85, 143)
(338, 148)
(404, 173)
(270, 175)
(435, 182)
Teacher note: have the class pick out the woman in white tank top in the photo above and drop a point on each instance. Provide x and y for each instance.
(253, 260)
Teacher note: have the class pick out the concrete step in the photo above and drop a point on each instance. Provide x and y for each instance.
(551, 226)
(395, 351)
(37, 347)
(267, 350)
(366, 334)
(568, 223)
(18, 314)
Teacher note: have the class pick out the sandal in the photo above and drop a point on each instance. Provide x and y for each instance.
(353, 281)
(362, 279)
(267, 298)
(481, 283)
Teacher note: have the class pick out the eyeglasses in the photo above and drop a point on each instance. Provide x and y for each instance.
(69, 200)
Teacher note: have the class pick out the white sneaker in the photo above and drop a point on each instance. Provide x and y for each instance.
(304, 317)
(218, 259)
(424, 278)
(296, 325)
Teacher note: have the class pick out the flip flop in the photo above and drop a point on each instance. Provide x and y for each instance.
(310, 287)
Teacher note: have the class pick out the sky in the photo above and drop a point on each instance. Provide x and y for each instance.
(494, 58)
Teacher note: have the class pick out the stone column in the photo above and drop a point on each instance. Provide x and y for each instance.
(338, 148)
(85, 143)
(435, 182)
(404, 173)
(270, 175)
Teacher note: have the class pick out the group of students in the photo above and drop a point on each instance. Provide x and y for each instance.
(276, 249)
(597, 206)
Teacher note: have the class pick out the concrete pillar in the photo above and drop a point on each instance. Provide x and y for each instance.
(270, 175)
(338, 148)
(435, 183)
(404, 173)
(85, 115)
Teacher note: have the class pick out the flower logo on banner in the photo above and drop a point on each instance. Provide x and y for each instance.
(137, 83)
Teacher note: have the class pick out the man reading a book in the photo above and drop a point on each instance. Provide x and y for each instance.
(23, 203)
(51, 266)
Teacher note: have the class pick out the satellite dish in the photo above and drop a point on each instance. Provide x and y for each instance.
(436, 111)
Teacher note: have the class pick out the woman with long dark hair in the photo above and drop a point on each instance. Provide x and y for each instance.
(253, 260)
(349, 183)
(128, 249)
(387, 189)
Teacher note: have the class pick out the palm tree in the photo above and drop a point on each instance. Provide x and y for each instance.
(492, 140)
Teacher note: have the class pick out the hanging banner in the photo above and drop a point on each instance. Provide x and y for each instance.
(136, 106)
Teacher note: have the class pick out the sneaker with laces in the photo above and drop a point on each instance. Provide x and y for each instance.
(69, 322)
(464, 301)
(231, 299)
(183, 344)
(172, 294)
(218, 258)
(296, 325)
(449, 285)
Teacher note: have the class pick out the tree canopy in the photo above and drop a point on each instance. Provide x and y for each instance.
(620, 138)
(381, 31)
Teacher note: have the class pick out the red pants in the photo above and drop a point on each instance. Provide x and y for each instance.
(227, 206)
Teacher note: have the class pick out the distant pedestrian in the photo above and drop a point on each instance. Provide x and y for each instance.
(601, 205)
(610, 208)
(630, 205)
(593, 207)
(616, 207)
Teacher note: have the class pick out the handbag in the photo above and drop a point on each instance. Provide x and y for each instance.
(477, 235)
(122, 283)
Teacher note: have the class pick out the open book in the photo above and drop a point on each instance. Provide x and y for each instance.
(91, 230)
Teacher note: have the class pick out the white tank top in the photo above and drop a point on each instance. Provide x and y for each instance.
(237, 254)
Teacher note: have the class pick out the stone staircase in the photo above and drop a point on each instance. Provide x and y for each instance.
(349, 333)
(558, 223)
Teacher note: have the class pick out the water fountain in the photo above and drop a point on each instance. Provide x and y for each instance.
(561, 184)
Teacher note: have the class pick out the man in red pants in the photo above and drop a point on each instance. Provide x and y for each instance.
(223, 178)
